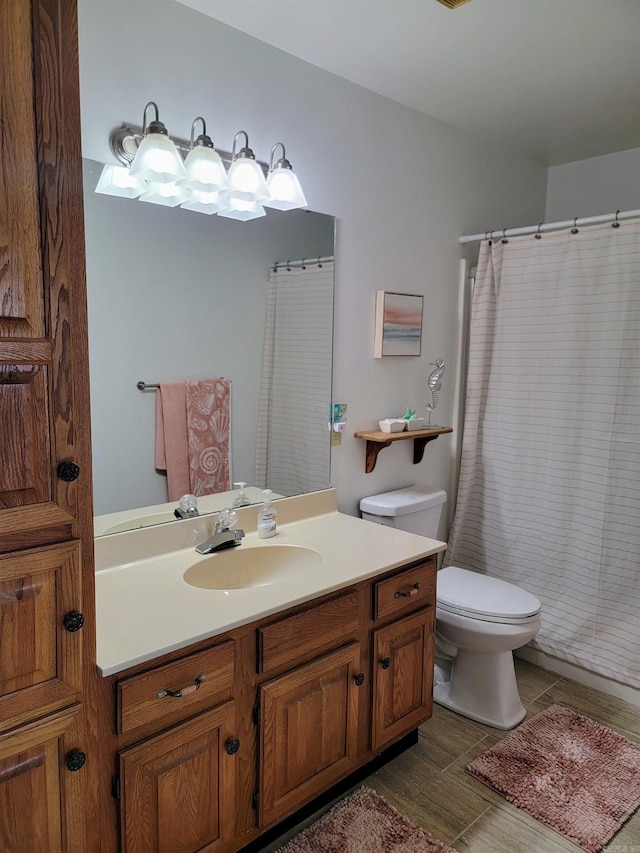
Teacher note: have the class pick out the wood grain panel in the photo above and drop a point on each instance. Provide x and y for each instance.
(303, 635)
(25, 466)
(40, 799)
(178, 788)
(21, 296)
(40, 665)
(405, 591)
(308, 731)
(138, 700)
(402, 685)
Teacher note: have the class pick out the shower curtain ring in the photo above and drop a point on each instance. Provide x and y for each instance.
(615, 223)
(574, 230)
(504, 239)
(538, 235)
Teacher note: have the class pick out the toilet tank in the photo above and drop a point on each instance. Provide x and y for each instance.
(414, 508)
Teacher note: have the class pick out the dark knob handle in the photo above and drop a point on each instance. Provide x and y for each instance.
(359, 678)
(385, 663)
(68, 471)
(73, 621)
(75, 760)
(232, 745)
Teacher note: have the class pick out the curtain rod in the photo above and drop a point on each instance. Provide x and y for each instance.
(303, 262)
(551, 226)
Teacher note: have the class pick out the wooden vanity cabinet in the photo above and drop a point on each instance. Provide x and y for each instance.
(48, 680)
(309, 716)
(402, 653)
(178, 788)
(289, 706)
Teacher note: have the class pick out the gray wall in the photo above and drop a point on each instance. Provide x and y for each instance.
(403, 187)
(593, 187)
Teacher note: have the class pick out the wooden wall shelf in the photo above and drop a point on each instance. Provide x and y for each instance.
(377, 440)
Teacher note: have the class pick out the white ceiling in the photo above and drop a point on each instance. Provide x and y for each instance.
(556, 80)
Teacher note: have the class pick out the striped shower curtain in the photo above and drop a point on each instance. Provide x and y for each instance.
(549, 491)
(292, 444)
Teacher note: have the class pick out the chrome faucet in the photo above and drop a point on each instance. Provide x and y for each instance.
(223, 536)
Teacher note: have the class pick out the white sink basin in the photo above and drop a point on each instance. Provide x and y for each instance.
(245, 567)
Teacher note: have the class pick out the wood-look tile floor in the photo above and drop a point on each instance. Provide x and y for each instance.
(428, 784)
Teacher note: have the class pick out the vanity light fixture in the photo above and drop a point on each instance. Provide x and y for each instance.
(157, 158)
(168, 194)
(285, 192)
(194, 175)
(205, 170)
(117, 180)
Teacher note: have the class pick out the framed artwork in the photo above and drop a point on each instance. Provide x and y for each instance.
(398, 324)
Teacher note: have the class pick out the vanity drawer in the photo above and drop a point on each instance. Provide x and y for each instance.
(411, 588)
(307, 634)
(145, 698)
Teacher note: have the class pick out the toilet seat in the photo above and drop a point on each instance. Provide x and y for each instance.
(488, 599)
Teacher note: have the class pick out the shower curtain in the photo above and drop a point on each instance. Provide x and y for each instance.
(292, 445)
(549, 489)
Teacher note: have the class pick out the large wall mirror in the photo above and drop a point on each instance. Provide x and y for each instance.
(177, 295)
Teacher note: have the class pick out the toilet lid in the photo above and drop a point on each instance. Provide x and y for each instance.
(463, 591)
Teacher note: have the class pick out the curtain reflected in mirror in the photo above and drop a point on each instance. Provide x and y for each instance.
(292, 450)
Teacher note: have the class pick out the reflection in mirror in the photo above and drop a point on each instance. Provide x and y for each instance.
(175, 295)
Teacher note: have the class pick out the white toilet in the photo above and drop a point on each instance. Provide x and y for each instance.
(480, 620)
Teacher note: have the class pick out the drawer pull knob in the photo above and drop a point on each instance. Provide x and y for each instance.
(232, 745)
(413, 591)
(385, 663)
(359, 679)
(75, 760)
(184, 691)
(73, 621)
(68, 471)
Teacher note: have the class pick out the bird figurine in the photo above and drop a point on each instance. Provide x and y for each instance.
(435, 386)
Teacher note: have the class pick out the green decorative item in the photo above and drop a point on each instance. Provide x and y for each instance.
(410, 414)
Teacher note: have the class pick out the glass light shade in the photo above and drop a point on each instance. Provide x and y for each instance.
(285, 192)
(170, 195)
(247, 180)
(116, 180)
(157, 160)
(205, 171)
(246, 211)
(206, 202)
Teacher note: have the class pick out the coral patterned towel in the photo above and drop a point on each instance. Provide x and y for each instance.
(193, 443)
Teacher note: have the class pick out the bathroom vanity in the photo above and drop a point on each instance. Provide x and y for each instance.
(224, 709)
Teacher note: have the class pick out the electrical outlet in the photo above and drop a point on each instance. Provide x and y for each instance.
(336, 438)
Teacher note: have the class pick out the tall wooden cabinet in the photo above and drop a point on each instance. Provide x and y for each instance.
(48, 792)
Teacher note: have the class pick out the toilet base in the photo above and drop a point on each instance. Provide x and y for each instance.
(483, 687)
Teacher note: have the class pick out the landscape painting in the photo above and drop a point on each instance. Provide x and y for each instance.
(398, 324)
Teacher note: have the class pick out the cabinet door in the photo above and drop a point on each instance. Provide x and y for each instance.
(42, 780)
(402, 677)
(43, 340)
(40, 664)
(178, 788)
(308, 731)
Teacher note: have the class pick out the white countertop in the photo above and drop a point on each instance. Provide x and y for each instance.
(144, 607)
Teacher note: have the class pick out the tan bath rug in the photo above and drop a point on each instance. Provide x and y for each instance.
(576, 776)
(364, 823)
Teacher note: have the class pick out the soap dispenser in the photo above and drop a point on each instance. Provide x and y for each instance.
(267, 517)
(241, 499)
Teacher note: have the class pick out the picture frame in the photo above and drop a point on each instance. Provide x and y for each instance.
(398, 329)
